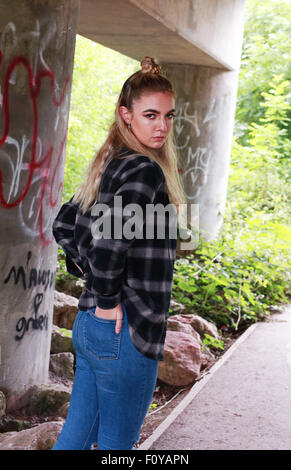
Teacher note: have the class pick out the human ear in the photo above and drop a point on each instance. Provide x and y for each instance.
(125, 114)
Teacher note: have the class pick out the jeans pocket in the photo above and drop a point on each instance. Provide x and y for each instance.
(100, 338)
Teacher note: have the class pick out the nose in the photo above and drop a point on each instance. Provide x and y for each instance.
(162, 125)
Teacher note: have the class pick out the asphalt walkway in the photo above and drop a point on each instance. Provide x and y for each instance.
(244, 403)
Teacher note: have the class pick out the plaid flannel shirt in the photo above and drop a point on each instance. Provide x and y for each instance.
(137, 272)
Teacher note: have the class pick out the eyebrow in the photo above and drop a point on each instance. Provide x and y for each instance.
(157, 112)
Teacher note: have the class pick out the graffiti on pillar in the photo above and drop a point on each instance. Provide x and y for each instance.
(188, 128)
(38, 172)
(31, 277)
(34, 278)
(35, 322)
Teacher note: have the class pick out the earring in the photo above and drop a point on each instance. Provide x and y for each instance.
(129, 126)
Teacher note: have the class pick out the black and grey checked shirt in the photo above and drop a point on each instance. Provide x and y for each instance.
(137, 272)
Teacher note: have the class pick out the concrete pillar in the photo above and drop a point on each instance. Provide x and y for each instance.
(37, 43)
(203, 129)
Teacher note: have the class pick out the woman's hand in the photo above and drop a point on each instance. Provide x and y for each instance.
(115, 313)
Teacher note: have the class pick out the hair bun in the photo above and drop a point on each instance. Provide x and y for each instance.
(148, 65)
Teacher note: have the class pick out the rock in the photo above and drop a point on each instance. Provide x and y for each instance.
(176, 306)
(41, 437)
(65, 310)
(46, 400)
(199, 324)
(207, 359)
(62, 364)
(73, 287)
(182, 359)
(173, 324)
(2, 403)
(61, 340)
(63, 411)
(8, 423)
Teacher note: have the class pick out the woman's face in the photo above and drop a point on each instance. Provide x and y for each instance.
(151, 118)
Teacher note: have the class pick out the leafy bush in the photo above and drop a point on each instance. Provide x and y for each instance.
(233, 280)
(212, 343)
(230, 285)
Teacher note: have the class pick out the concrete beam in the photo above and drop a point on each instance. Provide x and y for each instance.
(196, 32)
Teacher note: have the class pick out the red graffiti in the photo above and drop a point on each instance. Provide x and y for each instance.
(45, 162)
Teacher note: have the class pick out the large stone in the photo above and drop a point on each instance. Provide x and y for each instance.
(176, 307)
(174, 324)
(182, 359)
(73, 287)
(65, 310)
(62, 364)
(10, 423)
(61, 341)
(199, 324)
(2, 403)
(46, 400)
(63, 411)
(41, 437)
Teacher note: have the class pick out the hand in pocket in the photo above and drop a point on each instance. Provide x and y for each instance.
(115, 313)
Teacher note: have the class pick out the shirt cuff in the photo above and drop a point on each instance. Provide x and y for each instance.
(108, 301)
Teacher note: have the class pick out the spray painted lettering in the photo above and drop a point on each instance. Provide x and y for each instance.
(189, 127)
(36, 323)
(39, 170)
(34, 278)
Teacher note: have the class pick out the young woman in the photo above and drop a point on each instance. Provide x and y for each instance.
(120, 328)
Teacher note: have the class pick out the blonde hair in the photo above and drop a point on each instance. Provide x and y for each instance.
(148, 79)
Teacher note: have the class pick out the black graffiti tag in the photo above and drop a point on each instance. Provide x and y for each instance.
(37, 323)
(33, 278)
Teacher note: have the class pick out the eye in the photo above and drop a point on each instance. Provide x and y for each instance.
(172, 115)
(150, 114)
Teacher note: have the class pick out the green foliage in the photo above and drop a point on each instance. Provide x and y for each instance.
(212, 343)
(62, 273)
(152, 406)
(99, 74)
(66, 332)
(230, 282)
(259, 171)
(265, 54)
(233, 280)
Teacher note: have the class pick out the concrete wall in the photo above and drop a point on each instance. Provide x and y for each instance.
(37, 41)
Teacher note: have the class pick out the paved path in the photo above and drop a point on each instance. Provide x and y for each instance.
(244, 403)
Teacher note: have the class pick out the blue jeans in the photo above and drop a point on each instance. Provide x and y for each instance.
(112, 389)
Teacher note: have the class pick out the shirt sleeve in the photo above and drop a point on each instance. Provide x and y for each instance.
(107, 256)
(63, 232)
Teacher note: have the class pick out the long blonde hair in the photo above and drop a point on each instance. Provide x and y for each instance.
(148, 79)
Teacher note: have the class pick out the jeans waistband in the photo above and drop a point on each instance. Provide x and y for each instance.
(123, 309)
